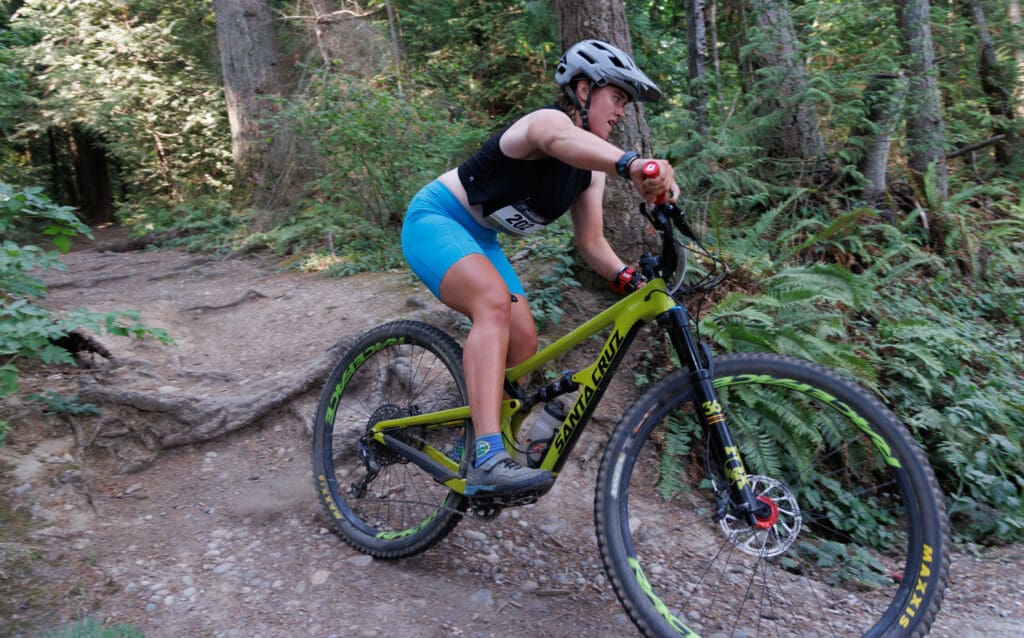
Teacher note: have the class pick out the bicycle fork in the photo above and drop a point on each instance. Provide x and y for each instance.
(723, 449)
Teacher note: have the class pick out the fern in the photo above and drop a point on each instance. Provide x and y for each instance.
(821, 282)
(838, 225)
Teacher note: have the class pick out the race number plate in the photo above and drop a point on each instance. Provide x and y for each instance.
(518, 219)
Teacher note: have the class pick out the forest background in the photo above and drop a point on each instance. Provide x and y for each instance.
(857, 164)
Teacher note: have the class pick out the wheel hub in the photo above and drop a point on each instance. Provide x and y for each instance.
(768, 521)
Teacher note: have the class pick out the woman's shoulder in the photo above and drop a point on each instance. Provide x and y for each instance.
(520, 139)
(548, 114)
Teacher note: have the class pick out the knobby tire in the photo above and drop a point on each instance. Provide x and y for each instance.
(398, 369)
(856, 546)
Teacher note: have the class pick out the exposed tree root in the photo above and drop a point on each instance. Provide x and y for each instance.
(250, 294)
(92, 282)
(176, 420)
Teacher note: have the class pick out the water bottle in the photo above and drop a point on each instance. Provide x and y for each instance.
(538, 435)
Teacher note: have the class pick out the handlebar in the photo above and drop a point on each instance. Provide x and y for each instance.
(651, 169)
(666, 217)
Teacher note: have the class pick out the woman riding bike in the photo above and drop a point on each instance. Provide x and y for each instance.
(546, 163)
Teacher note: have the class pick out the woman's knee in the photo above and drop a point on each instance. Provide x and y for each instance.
(522, 333)
(492, 308)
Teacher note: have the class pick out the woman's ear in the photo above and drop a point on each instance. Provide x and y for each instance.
(582, 91)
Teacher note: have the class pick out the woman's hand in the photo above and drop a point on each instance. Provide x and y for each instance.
(651, 184)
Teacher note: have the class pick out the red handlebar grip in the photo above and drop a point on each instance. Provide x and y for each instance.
(651, 169)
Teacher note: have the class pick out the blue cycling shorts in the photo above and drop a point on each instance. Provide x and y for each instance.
(438, 232)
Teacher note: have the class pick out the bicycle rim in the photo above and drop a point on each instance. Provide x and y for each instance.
(856, 540)
(378, 501)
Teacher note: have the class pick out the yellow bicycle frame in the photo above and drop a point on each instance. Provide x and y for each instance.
(624, 319)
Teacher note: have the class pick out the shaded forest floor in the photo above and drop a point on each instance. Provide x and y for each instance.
(225, 537)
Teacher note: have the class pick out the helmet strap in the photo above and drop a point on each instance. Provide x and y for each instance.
(585, 109)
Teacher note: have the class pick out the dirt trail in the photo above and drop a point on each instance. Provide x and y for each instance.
(225, 538)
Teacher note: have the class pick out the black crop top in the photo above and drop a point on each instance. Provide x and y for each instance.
(521, 196)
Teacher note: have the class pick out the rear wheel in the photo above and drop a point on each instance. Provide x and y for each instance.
(853, 540)
(379, 502)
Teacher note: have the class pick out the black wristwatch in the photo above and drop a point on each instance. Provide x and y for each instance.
(622, 166)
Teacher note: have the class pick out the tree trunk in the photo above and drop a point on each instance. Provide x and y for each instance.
(736, 14)
(396, 51)
(712, 29)
(884, 99)
(62, 172)
(696, 57)
(925, 126)
(998, 88)
(92, 178)
(779, 69)
(252, 78)
(1014, 13)
(579, 20)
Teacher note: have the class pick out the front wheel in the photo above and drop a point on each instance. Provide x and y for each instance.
(378, 501)
(854, 540)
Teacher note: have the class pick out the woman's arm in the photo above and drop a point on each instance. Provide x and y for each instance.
(588, 222)
(550, 133)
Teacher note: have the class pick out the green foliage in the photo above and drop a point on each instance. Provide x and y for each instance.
(944, 351)
(954, 375)
(353, 246)
(14, 98)
(799, 311)
(498, 56)
(28, 330)
(26, 211)
(380, 142)
(206, 223)
(856, 566)
(56, 404)
(549, 254)
(127, 71)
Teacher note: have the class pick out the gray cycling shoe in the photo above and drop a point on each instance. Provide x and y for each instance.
(501, 476)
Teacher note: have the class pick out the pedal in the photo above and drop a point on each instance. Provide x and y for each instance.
(489, 508)
(484, 510)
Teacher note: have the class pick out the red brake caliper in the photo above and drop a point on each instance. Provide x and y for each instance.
(773, 516)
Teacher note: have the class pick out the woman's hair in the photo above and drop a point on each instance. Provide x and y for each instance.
(565, 103)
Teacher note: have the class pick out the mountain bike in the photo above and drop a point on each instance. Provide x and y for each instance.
(740, 494)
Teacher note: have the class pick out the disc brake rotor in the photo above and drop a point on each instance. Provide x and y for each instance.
(776, 531)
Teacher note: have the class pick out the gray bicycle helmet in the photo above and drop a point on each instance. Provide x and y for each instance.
(602, 64)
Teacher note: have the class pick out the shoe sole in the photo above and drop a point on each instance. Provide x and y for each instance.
(539, 484)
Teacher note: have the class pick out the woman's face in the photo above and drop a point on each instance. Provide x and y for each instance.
(607, 107)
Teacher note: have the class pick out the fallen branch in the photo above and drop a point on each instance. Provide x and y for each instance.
(973, 147)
